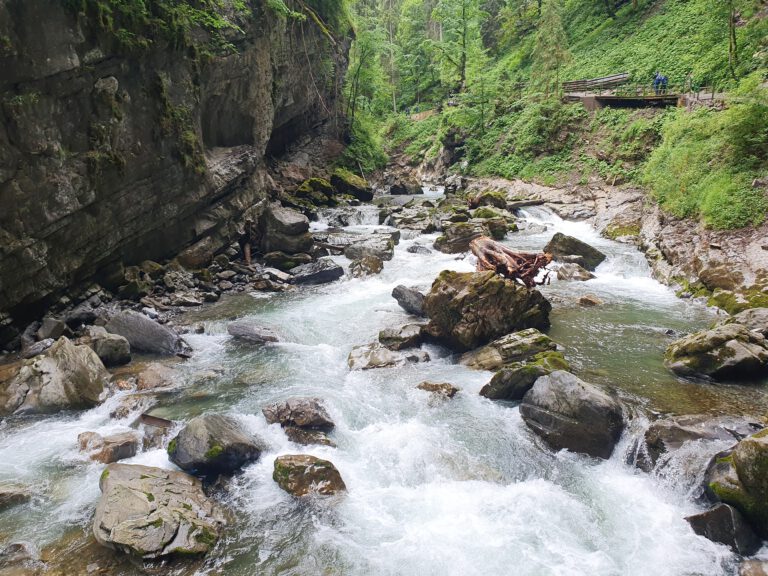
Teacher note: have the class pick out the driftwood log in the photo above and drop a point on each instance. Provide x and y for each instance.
(518, 266)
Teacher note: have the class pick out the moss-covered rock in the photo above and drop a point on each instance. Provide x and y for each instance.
(285, 262)
(457, 236)
(301, 474)
(345, 182)
(319, 191)
(735, 301)
(514, 380)
(514, 347)
(489, 198)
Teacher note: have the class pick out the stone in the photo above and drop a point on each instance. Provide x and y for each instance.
(568, 271)
(490, 198)
(405, 186)
(753, 568)
(158, 377)
(469, 309)
(725, 525)
(726, 352)
(418, 249)
(409, 299)
(321, 272)
(457, 236)
(755, 319)
(51, 328)
(13, 495)
(307, 437)
(561, 245)
(507, 349)
(374, 355)
(151, 513)
(251, 332)
(408, 336)
(64, 377)
(301, 475)
(213, 444)
(379, 245)
(307, 413)
(439, 388)
(145, 335)
(198, 255)
(112, 349)
(16, 557)
(345, 182)
(514, 380)
(285, 230)
(366, 266)
(108, 449)
(283, 261)
(570, 414)
(278, 275)
(589, 300)
(37, 348)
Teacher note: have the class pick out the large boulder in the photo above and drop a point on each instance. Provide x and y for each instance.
(755, 319)
(379, 245)
(284, 230)
(366, 266)
(308, 413)
(321, 272)
(726, 352)
(345, 182)
(64, 377)
(409, 299)
(145, 335)
(469, 309)
(507, 349)
(108, 449)
(251, 332)
(213, 444)
(562, 246)
(404, 186)
(457, 236)
(408, 336)
(370, 356)
(13, 495)
(112, 349)
(301, 474)
(568, 413)
(150, 512)
(725, 525)
(514, 380)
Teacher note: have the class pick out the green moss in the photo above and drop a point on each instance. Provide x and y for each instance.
(172, 446)
(614, 231)
(350, 178)
(550, 361)
(150, 496)
(214, 452)
(486, 212)
(205, 536)
(735, 302)
(104, 475)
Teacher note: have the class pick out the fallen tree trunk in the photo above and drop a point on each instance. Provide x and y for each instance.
(518, 266)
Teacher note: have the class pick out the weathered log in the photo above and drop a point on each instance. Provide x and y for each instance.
(518, 266)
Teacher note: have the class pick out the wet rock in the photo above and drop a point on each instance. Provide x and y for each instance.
(308, 437)
(345, 182)
(16, 558)
(570, 414)
(300, 475)
(13, 495)
(469, 309)
(308, 413)
(108, 449)
(321, 272)
(380, 245)
(284, 262)
(457, 236)
(589, 300)
(112, 349)
(418, 249)
(725, 525)
(37, 348)
(84, 313)
(158, 377)
(573, 272)
(439, 388)
(374, 355)
(408, 336)
(64, 377)
(145, 335)
(285, 230)
(561, 245)
(514, 380)
(409, 299)
(405, 186)
(150, 513)
(366, 266)
(728, 351)
(755, 319)
(251, 332)
(278, 275)
(753, 568)
(507, 349)
(213, 444)
(51, 328)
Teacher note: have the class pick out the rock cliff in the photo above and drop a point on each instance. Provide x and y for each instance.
(114, 150)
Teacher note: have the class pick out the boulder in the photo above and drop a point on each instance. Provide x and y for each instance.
(307, 413)
(37, 348)
(457, 236)
(345, 182)
(112, 349)
(213, 444)
(196, 256)
(489, 198)
(51, 328)
(284, 230)
(570, 414)
(469, 309)
(561, 246)
(418, 249)
(317, 191)
(409, 299)
(251, 332)
(108, 449)
(374, 355)
(150, 513)
(443, 389)
(755, 319)
(13, 495)
(366, 266)
(405, 186)
(568, 271)
(514, 380)
(321, 272)
(283, 261)
(379, 245)
(145, 335)
(507, 349)
(64, 377)
(589, 300)
(408, 336)
(726, 352)
(307, 437)
(300, 475)
(725, 525)
(158, 378)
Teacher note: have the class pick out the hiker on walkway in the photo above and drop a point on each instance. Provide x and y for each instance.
(659, 83)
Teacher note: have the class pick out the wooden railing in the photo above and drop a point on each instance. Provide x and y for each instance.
(593, 84)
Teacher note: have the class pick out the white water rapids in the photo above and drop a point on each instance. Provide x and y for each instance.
(460, 487)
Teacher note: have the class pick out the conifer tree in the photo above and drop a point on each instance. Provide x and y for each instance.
(550, 53)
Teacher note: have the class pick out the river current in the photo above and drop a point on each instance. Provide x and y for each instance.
(456, 487)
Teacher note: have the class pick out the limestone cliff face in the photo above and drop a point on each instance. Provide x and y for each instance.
(110, 156)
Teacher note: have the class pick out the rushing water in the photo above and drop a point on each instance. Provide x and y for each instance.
(457, 487)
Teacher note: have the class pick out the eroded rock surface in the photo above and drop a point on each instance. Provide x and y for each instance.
(301, 475)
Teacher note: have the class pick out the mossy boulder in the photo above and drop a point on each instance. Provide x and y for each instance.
(514, 380)
(318, 191)
(302, 475)
(366, 266)
(457, 236)
(489, 198)
(470, 309)
(726, 352)
(736, 301)
(408, 336)
(514, 347)
(345, 182)
(285, 262)
(562, 246)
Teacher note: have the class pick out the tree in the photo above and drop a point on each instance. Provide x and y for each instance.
(550, 52)
(461, 40)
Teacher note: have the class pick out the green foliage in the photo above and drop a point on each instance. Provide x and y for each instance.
(366, 148)
(550, 53)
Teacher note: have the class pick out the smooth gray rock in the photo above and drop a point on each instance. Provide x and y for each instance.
(379, 245)
(725, 525)
(418, 249)
(145, 335)
(37, 348)
(562, 245)
(409, 299)
(112, 349)
(321, 272)
(248, 331)
(569, 413)
(570, 271)
(51, 328)
(408, 336)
